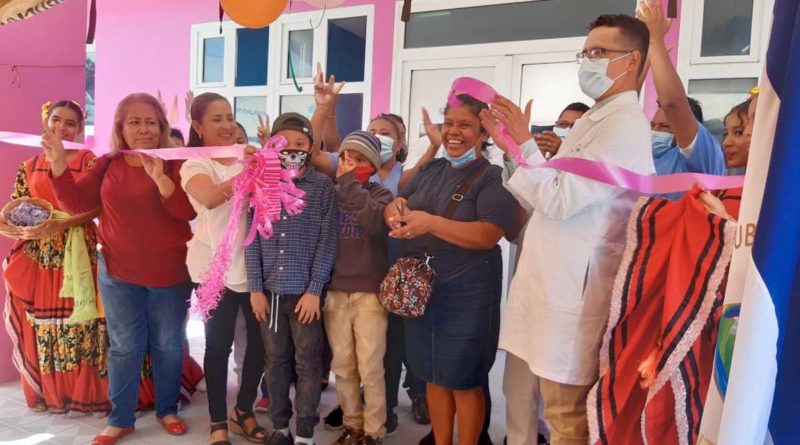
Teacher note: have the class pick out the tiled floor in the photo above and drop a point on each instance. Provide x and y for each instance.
(20, 426)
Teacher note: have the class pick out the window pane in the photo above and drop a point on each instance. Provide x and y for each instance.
(304, 105)
(509, 22)
(213, 59)
(347, 44)
(90, 58)
(252, 56)
(718, 96)
(349, 111)
(247, 110)
(301, 50)
(726, 27)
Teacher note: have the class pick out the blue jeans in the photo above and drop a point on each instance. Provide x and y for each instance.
(143, 320)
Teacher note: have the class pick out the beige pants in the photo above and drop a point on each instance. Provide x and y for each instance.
(564, 406)
(356, 324)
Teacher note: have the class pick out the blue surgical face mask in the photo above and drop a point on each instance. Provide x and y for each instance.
(387, 147)
(662, 141)
(462, 160)
(593, 76)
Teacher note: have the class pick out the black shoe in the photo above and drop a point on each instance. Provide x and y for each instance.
(369, 440)
(428, 440)
(335, 419)
(350, 437)
(391, 422)
(277, 438)
(541, 440)
(420, 409)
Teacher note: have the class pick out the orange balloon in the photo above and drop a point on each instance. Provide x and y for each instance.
(254, 13)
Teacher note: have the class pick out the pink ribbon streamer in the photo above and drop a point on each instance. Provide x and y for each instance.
(167, 154)
(265, 187)
(594, 170)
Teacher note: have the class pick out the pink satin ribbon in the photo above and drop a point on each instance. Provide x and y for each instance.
(263, 186)
(594, 170)
(167, 154)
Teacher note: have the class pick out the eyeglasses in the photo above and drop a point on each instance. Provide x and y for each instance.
(597, 53)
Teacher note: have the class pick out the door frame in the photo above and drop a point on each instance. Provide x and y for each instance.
(401, 100)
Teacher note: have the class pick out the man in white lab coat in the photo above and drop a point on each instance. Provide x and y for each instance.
(559, 299)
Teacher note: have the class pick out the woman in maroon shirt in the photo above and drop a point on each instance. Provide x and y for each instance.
(144, 228)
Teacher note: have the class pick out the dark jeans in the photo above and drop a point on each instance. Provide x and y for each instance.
(285, 335)
(393, 363)
(219, 339)
(143, 320)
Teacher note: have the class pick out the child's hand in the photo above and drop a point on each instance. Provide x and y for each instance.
(307, 309)
(260, 305)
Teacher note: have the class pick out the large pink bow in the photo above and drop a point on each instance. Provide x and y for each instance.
(266, 188)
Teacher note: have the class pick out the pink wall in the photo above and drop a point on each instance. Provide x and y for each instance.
(144, 45)
(56, 40)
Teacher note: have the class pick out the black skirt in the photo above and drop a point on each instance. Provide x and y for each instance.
(454, 344)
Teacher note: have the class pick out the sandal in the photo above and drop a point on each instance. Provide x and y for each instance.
(217, 426)
(239, 428)
(39, 407)
(111, 440)
(177, 428)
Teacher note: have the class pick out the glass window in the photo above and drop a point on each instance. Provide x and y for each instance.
(718, 96)
(303, 104)
(252, 56)
(349, 113)
(301, 53)
(213, 59)
(247, 110)
(347, 47)
(349, 110)
(727, 26)
(509, 22)
(89, 99)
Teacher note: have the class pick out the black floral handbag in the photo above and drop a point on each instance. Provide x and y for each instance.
(408, 285)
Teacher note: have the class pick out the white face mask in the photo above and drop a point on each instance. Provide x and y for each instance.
(662, 141)
(387, 146)
(561, 132)
(593, 78)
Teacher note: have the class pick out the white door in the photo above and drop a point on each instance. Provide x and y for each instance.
(551, 80)
(427, 83)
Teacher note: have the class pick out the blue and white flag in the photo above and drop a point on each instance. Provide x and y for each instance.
(755, 395)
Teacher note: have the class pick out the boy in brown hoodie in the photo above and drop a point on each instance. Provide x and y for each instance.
(354, 318)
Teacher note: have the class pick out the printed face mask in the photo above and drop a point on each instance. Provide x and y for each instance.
(293, 159)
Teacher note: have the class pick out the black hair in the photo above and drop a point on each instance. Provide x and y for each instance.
(176, 133)
(579, 107)
(197, 110)
(241, 127)
(697, 109)
(476, 106)
(633, 30)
